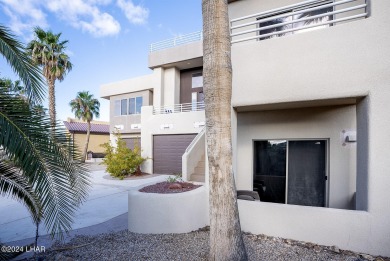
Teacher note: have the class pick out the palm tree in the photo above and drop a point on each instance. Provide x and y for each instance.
(37, 166)
(85, 107)
(40, 109)
(48, 51)
(226, 241)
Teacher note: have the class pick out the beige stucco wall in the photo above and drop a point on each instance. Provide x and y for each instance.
(95, 140)
(344, 61)
(180, 123)
(346, 229)
(126, 121)
(177, 54)
(171, 86)
(168, 213)
(141, 83)
(340, 61)
(309, 123)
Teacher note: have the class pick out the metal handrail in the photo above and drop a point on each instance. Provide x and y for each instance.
(265, 16)
(299, 20)
(176, 41)
(195, 140)
(280, 9)
(177, 108)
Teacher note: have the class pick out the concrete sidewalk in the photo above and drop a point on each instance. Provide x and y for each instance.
(107, 200)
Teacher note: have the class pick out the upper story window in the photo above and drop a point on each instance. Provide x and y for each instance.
(197, 80)
(124, 107)
(135, 105)
(305, 16)
(117, 107)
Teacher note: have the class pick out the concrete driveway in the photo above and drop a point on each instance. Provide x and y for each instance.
(107, 200)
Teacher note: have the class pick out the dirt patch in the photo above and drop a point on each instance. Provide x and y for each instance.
(169, 187)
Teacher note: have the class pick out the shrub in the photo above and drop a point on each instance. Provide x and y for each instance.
(122, 161)
(176, 178)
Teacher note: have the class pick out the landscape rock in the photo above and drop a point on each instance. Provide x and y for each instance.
(193, 246)
(175, 186)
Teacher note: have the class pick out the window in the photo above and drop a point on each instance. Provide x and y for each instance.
(124, 107)
(291, 171)
(138, 104)
(194, 100)
(270, 27)
(117, 107)
(135, 105)
(197, 80)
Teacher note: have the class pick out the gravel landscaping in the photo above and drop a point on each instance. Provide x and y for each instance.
(124, 245)
(169, 187)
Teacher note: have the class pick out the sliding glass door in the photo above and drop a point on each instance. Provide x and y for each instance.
(291, 171)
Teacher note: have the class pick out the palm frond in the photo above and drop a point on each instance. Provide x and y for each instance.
(14, 52)
(85, 106)
(47, 160)
(48, 51)
(13, 183)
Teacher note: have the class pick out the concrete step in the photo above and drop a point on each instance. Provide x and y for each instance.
(197, 178)
(199, 170)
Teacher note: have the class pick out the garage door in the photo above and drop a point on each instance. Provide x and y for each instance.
(130, 142)
(167, 152)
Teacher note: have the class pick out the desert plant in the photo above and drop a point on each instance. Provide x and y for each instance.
(176, 178)
(122, 161)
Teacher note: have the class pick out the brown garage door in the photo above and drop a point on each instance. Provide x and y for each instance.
(130, 142)
(167, 152)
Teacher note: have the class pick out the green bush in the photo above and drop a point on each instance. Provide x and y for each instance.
(122, 161)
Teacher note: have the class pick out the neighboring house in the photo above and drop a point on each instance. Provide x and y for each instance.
(309, 124)
(162, 111)
(100, 133)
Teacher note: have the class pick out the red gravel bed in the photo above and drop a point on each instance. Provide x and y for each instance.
(169, 187)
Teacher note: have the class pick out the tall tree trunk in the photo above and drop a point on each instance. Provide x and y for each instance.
(52, 102)
(86, 141)
(226, 241)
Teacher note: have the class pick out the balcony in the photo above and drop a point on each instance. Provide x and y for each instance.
(176, 41)
(300, 17)
(179, 108)
(183, 52)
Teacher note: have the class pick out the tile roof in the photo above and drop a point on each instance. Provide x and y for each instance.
(82, 127)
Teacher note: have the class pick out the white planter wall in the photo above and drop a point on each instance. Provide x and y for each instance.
(151, 213)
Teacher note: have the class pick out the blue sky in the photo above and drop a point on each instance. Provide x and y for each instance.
(108, 39)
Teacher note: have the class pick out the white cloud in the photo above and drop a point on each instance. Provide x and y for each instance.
(136, 14)
(24, 15)
(82, 14)
(85, 15)
(102, 24)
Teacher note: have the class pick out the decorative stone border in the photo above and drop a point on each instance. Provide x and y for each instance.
(151, 213)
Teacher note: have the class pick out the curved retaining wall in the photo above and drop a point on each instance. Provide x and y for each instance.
(168, 213)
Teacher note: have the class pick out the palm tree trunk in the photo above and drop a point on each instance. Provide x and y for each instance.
(52, 103)
(226, 241)
(86, 141)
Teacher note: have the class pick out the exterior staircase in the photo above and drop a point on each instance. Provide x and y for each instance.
(199, 172)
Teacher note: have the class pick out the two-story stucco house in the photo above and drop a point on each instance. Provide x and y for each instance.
(310, 124)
